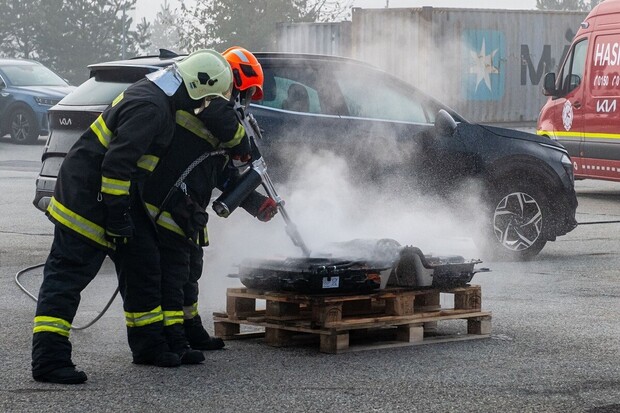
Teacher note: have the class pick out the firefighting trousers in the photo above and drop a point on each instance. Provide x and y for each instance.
(190, 289)
(70, 267)
(175, 268)
(139, 276)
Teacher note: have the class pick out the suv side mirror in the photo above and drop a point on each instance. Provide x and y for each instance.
(549, 85)
(445, 125)
(2, 84)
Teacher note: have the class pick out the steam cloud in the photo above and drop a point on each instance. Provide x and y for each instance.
(328, 204)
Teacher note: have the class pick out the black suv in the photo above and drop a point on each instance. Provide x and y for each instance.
(357, 111)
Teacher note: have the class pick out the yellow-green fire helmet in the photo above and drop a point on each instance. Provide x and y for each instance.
(206, 73)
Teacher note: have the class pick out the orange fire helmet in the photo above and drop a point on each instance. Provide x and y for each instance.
(247, 72)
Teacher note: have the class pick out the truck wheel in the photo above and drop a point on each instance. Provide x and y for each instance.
(23, 126)
(517, 217)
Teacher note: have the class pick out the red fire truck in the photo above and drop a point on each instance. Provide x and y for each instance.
(583, 110)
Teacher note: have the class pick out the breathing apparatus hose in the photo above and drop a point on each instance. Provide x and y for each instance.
(29, 294)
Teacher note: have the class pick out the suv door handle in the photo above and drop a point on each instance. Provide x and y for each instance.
(577, 105)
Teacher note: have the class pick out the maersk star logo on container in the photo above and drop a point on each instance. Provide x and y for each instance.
(483, 55)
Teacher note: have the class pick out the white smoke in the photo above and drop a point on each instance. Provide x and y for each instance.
(327, 207)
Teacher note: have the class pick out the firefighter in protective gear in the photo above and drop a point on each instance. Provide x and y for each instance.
(97, 211)
(182, 217)
(180, 211)
(248, 85)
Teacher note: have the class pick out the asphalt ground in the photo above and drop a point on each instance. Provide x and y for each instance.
(555, 343)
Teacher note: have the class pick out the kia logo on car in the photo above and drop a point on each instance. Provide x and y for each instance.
(65, 121)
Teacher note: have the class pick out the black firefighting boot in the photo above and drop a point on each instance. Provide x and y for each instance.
(190, 356)
(178, 343)
(148, 346)
(198, 337)
(51, 360)
(62, 375)
(163, 359)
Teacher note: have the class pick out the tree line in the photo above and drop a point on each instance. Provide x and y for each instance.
(578, 5)
(68, 35)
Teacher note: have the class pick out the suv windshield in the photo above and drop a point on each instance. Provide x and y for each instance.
(32, 75)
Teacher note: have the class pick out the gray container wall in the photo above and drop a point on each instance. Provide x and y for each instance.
(315, 38)
(486, 64)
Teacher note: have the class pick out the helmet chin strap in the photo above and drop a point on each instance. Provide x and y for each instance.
(202, 107)
(245, 97)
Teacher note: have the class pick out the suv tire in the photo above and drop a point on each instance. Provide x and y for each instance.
(517, 215)
(23, 126)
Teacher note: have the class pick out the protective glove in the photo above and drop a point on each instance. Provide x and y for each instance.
(119, 228)
(267, 210)
(242, 151)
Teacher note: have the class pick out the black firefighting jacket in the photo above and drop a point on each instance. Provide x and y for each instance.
(111, 159)
(182, 211)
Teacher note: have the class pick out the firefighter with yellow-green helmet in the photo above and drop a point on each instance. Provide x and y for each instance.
(97, 211)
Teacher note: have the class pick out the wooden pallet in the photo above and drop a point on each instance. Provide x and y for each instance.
(334, 318)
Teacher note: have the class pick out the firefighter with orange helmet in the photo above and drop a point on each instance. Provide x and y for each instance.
(248, 81)
(179, 191)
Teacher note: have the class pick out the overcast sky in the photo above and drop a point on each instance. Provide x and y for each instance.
(149, 8)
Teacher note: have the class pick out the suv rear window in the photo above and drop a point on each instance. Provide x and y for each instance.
(104, 85)
(93, 92)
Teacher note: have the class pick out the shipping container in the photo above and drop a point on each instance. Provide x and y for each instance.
(487, 64)
(332, 39)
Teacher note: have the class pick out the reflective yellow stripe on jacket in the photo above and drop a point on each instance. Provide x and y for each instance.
(145, 318)
(165, 219)
(101, 130)
(195, 125)
(236, 139)
(45, 324)
(77, 223)
(190, 312)
(203, 238)
(173, 317)
(148, 162)
(113, 186)
(118, 99)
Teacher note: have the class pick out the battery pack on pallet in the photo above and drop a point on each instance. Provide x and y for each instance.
(312, 275)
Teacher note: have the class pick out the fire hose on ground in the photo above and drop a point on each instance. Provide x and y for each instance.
(73, 327)
(598, 222)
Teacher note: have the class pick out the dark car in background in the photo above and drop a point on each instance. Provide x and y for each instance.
(383, 126)
(27, 90)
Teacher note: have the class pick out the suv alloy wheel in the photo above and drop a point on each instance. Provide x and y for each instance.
(23, 126)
